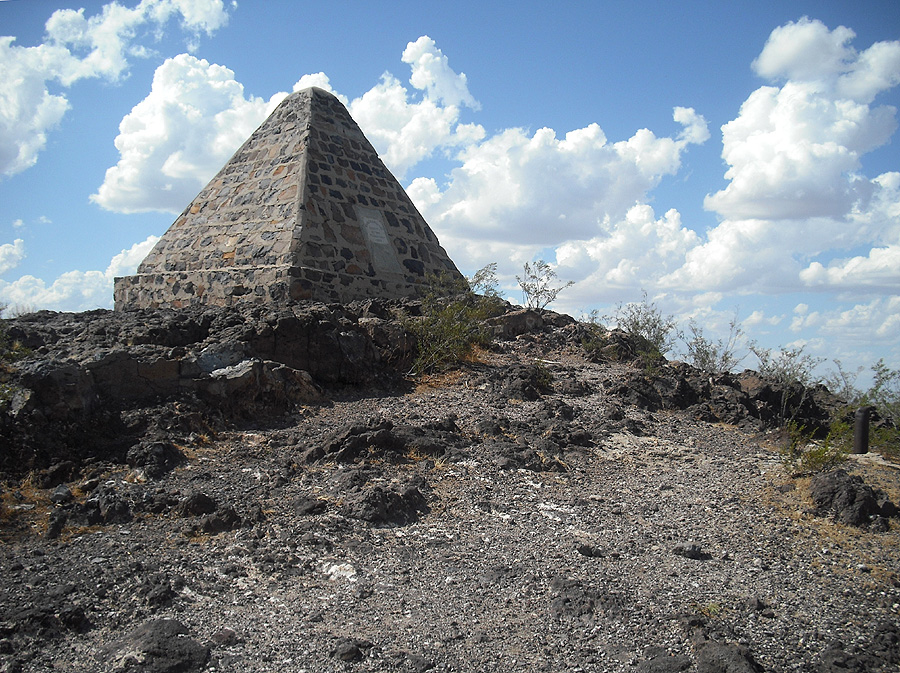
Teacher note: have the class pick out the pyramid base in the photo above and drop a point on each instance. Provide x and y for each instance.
(267, 285)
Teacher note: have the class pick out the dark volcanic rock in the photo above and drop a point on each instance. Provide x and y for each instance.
(88, 371)
(350, 649)
(660, 661)
(432, 520)
(104, 506)
(379, 504)
(573, 599)
(716, 657)
(196, 504)
(377, 437)
(876, 652)
(512, 324)
(690, 550)
(848, 499)
(154, 458)
(157, 646)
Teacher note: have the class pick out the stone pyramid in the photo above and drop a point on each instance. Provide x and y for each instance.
(305, 209)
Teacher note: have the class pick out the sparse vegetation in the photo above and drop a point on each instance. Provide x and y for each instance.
(792, 370)
(452, 321)
(645, 319)
(714, 357)
(787, 366)
(802, 454)
(484, 281)
(538, 284)
(843, 383)
(883, 395)
(542, 377)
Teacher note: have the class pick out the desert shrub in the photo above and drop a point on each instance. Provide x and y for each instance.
(18, 310)
(790, 369)
(452, 320)
(787, 366)
(714, 357)
(646, 320)
(884, 395)
(842, 383)
(538, 284)
(803, 455)
(542, 377)
(593, 340)
(484, 281)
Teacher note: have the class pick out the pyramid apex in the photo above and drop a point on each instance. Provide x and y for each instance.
(313, 89)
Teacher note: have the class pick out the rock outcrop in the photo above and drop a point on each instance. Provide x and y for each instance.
(100, 385)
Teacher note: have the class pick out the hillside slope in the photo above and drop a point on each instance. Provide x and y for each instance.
(265, 506)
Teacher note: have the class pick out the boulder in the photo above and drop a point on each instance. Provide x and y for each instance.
(849, 500)
(157, 646)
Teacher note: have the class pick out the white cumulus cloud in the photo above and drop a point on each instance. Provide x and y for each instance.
(406, 129)
(77, 47)
(865, 324)
(794, 150)
(76, 290)
(539, 189)
(797, 195)
(631, 253)
(179, 136)
(11, 254)
(196, 115)
(431, 73)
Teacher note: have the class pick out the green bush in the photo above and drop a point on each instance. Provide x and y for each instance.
(792, 370)
(883, 395)
(594, 341)
(452, 320)
(802, 455)
(542, 377)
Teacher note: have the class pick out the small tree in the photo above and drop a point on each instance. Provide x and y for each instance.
(884, 395)
(537, 283)
(842, 383)
(885, 390)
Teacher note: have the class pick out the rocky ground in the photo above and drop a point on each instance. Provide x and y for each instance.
(547, 507)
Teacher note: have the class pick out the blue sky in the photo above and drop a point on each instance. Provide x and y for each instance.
(721, 156)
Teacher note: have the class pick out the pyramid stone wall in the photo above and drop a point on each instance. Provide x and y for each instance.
(305, 209)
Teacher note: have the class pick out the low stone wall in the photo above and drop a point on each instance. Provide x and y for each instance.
(268, 285)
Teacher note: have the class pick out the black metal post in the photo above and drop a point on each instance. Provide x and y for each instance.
(861, 430)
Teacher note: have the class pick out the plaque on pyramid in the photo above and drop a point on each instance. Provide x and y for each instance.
(305, 209)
